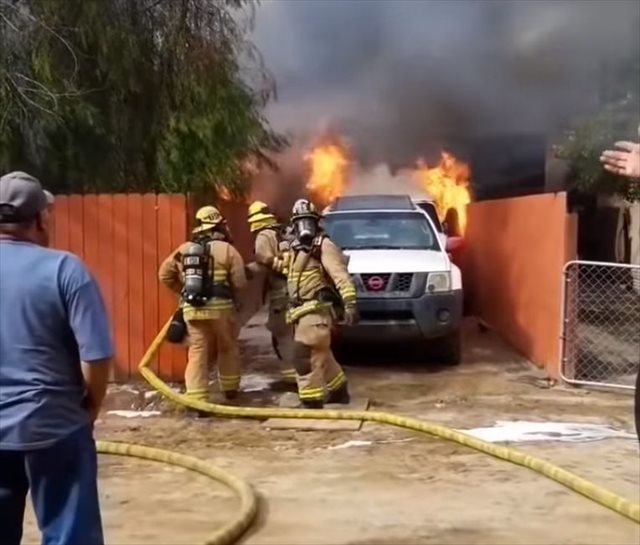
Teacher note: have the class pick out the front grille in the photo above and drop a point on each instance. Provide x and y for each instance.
(379, 283)
(369, 279)
(402, 282)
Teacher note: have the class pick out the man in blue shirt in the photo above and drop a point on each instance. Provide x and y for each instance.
(55, 352)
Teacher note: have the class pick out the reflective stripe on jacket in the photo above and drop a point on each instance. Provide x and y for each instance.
(310, 272)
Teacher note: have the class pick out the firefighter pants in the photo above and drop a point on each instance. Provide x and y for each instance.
(213, 341)
(282, 335)
(316, 367)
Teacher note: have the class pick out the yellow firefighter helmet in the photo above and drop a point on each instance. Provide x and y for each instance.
(260, 216)
(207, 217)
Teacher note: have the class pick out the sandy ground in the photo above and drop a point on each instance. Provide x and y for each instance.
(401, 489)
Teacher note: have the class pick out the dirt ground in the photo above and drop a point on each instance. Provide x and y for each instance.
(400, 489)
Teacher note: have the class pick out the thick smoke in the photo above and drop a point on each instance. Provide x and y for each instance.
(402, 78)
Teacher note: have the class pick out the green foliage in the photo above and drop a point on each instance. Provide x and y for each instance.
(585, 143)
(132, 95)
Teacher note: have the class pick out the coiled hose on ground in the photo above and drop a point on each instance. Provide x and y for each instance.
(592, 491)
(234, 528)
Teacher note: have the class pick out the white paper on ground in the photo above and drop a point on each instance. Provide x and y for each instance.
(350, 444)
(255, 383)
(135, 414)
(521, 431)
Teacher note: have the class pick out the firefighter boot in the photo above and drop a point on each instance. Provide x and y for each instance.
(230, 395)
(341, 395)
(195, 413)
(284, 384)
(312, 404)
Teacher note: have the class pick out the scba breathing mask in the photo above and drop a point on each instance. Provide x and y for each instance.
(305, 230)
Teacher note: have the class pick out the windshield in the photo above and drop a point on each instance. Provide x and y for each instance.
(386, 230)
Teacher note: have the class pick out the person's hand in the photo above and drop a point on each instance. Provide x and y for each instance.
(94, 412)
(90, 408)
(251, 270)
(624, 161)
(351, 315)
(281, 262)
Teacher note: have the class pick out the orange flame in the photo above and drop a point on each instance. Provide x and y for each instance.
(448, 185)
(329, 167)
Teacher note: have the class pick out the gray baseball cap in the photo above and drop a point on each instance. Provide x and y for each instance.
(22, 198)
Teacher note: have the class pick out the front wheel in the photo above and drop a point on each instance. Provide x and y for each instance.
(449, 349)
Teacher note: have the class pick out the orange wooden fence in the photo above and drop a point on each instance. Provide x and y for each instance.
(512, 263)
(123, 239)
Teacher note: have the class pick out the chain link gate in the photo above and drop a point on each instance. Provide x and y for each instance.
(600, 340)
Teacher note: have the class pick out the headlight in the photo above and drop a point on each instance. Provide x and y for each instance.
(437, 282)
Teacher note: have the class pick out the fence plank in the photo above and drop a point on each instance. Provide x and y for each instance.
(61, 222)
(76, 225)
(123, 239)
(150, 267)
(106, 270)
(136, 285)
(178, 236)
(91, 243)
(166, 300)
(121, 236)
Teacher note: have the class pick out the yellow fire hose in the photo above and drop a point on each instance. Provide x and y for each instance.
(232, 531)
(234, 528)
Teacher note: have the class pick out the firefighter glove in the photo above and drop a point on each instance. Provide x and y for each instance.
(281, 263)
(351, 315)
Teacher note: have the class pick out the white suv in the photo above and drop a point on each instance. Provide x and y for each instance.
(408, 288)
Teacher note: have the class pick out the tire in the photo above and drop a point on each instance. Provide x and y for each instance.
(450, 349)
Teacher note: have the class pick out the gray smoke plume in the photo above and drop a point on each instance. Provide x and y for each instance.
(399, 79)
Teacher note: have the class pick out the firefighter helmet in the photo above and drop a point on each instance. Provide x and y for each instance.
(260, 216)
(207, 217)
(305, 222)
(303, 208)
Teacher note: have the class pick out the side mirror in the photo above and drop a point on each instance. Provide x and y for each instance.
(454, 243)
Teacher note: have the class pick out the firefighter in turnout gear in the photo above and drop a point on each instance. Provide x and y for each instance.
(320, 291)
(208, 273)
(269, 241)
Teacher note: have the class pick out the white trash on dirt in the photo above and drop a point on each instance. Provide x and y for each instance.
(113, 388)
(256, 383)
(350, 444)
(135, 414)
(522, 431)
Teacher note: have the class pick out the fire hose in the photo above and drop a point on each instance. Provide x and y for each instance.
(243, 521)
(234, 528)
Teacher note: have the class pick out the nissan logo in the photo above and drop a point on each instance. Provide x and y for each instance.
(375, 283)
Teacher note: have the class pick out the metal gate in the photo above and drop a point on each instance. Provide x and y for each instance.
(600, 340)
